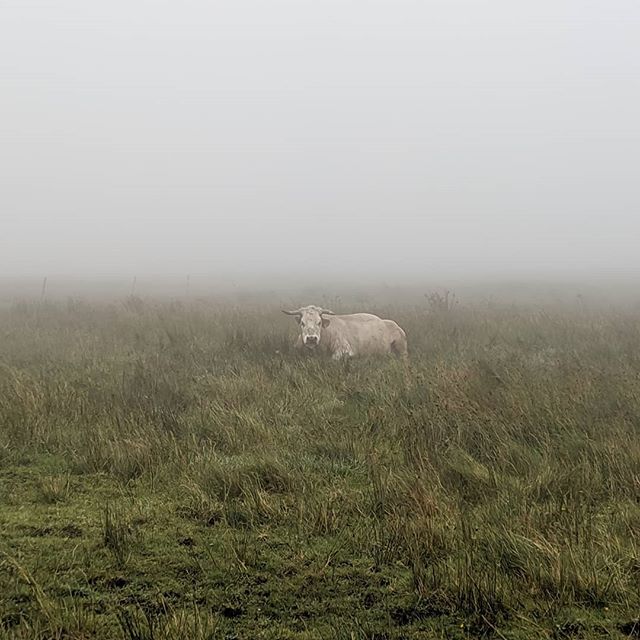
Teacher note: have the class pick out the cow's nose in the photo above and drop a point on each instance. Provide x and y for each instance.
(312, 339)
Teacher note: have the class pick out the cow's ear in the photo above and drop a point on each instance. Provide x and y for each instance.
(325, 322)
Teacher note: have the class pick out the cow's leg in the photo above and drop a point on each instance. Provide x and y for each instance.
(399, 347)
(342, 351)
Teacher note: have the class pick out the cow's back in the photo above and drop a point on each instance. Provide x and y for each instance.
(365, 333)
(357, 318)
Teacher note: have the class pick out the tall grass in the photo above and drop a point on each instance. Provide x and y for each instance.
(495, 485)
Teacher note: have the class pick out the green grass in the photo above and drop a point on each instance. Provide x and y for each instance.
(178, 471)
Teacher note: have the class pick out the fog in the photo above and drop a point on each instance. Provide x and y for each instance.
(309, 139)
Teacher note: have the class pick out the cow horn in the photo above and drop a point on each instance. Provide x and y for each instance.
(326, 312)
(292, 313)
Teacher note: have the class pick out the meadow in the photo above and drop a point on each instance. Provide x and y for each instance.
(174, 469)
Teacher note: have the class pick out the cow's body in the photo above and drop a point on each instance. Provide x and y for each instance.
(356, 334)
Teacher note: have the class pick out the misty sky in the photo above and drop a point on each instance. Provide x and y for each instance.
(310, 136)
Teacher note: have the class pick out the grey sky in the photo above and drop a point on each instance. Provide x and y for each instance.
(314, 135)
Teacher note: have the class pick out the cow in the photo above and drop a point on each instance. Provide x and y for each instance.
(348, 335)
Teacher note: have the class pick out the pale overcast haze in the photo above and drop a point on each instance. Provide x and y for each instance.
(319, 136)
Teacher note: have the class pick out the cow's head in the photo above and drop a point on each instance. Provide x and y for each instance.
(311, 320)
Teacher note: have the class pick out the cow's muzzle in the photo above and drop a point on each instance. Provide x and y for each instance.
(311, 341)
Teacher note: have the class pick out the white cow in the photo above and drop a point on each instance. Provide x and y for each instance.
(348, 335)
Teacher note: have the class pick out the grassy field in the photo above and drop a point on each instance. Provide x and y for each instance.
(175, 470)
